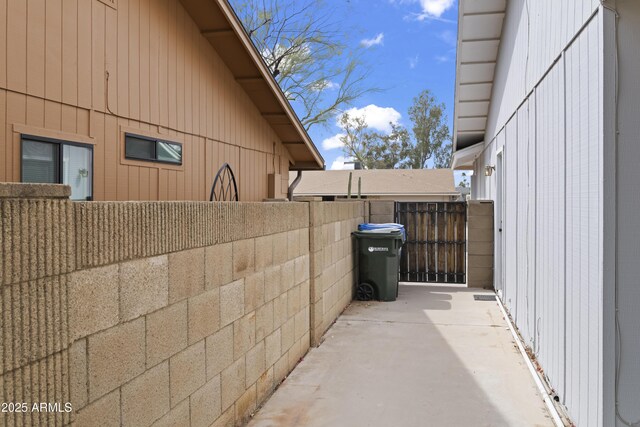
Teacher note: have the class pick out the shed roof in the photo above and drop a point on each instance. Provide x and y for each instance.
(377, 182)
(479, 34)
(219, 24)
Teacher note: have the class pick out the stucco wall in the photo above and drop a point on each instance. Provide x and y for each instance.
(178, 312)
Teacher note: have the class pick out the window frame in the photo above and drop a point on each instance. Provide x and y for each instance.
(58, 143)
(156, 141)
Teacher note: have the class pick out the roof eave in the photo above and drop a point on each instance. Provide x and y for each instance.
(463, 159)
(479, 33)
(252, 73)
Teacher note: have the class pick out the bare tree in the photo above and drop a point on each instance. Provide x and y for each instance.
(303, 45)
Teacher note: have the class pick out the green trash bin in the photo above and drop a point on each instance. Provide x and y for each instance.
(378, 260)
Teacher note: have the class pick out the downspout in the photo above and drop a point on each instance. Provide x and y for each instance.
(293, 185)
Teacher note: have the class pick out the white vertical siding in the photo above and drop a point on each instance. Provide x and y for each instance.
(550, 222)
(627, 210)
(583, 234)
(510, 215)
(530, 326)
(552, 229)
(534, 34)
(524, 294)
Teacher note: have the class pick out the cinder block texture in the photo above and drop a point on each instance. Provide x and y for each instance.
(244, 334)
(218, 265)
(186, 274)
(130, 310)
(255, 361)
(243, 258)
(106, 411)
(330, 266)
(93, 300)
(144, 286)
(264, 252)
(204, 315)
(19, 190)
(381, 207)
(178, 416)
(245, 405)
(480, 244)
(116, 356)
(33, 321)
(146, 398)
(42, 381)
(143, 229)
(166, 333)
(187, 372)
(231, 302)
(219, 351)
(37, 239)
(232, 383)
(78, 374)
(206, 404)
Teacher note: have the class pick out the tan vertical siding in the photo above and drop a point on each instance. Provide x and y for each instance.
(3, 46)
(87, 69)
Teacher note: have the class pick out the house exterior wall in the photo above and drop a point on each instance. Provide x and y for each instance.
(90, 70)
(545, 136)
(533, 35)
(184, 313)
(626, 150)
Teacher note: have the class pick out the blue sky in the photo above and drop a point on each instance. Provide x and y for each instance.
(409, 46)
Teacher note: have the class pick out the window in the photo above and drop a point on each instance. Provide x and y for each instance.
(52, 161)
(152, 150)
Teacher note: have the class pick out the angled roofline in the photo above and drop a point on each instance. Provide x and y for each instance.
(304, 154)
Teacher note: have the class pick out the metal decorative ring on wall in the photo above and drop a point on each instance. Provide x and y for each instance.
(224, 188)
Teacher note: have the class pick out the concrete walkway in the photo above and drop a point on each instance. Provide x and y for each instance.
(435, 357)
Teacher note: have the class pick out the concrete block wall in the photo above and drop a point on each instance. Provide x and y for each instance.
(332, 251)
(174, 313)
(139, 313)
(381, 211)
(480, 236)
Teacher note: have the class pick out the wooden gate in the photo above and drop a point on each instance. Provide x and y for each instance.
(435, 249)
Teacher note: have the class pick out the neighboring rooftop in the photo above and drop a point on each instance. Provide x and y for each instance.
(377, 182)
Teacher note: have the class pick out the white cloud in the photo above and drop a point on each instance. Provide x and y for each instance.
(434, 8)
(338, 163)
(372, 42)
(442, 58)
(413, 62)
(333, 142)
(431, 9)
(376, 117)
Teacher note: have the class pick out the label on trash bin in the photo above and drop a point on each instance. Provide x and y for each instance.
(378, 249)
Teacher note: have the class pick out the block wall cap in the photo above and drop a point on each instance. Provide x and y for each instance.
(13, 190)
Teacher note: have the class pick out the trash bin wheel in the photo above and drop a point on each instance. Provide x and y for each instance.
(365, 292)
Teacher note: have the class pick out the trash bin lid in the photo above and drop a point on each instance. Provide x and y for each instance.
(383, 228)
(380, 234)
